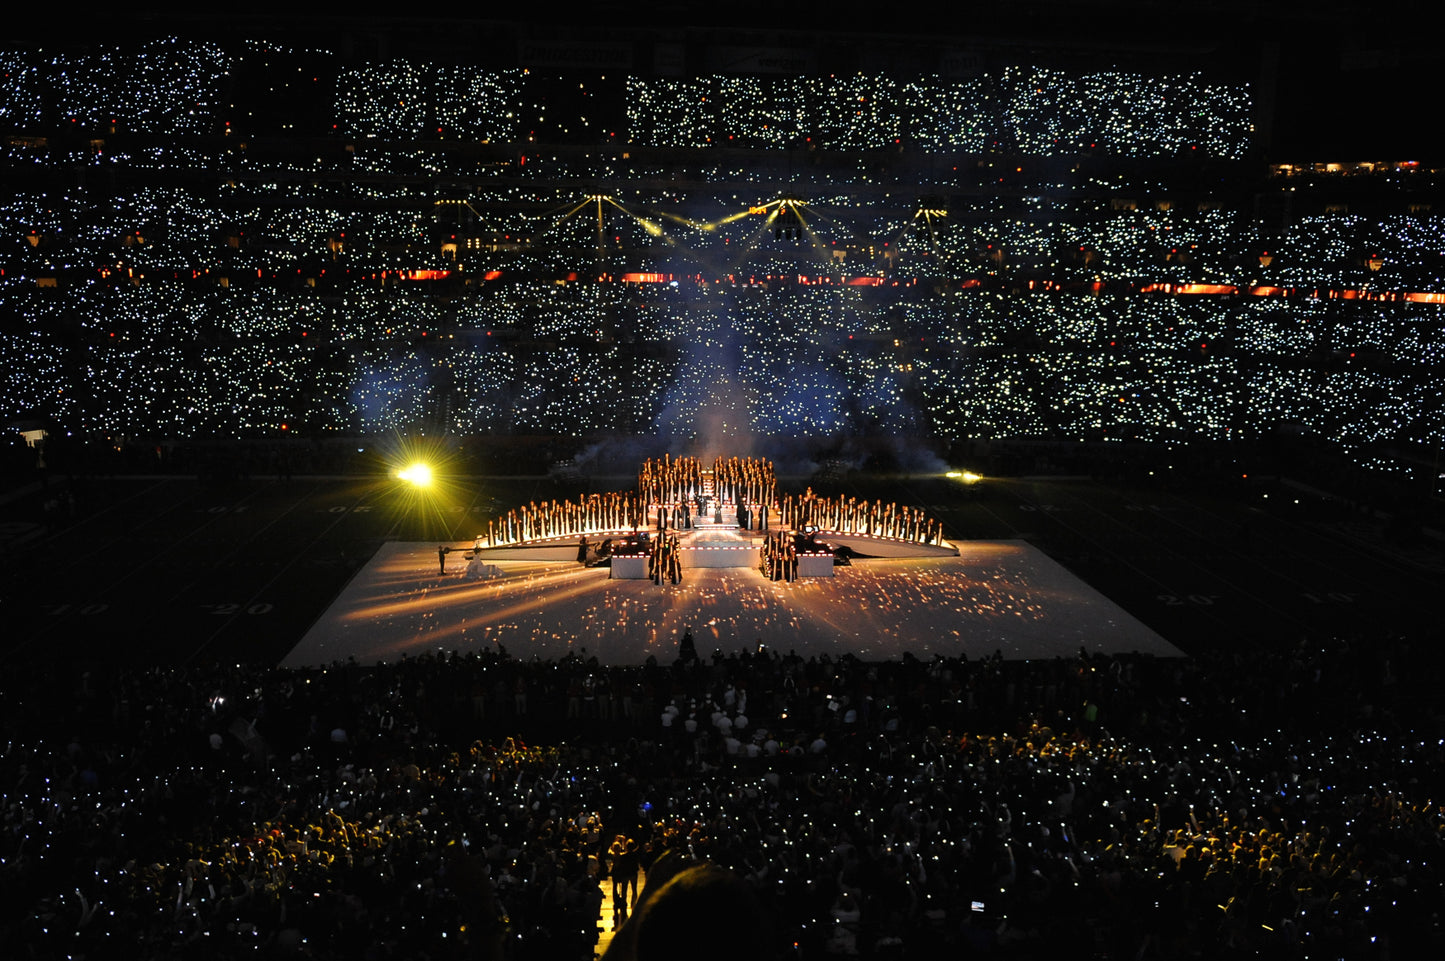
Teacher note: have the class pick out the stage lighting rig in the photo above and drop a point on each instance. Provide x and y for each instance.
(787, 218)
(929, 208)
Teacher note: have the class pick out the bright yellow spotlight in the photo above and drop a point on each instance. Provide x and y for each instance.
(964, 476)
(418, 475)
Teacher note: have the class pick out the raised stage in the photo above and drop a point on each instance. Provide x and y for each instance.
(994, 595)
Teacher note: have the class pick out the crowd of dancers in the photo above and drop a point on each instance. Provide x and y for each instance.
(684, 480)
(628, 511)
(664, 562)
(779, 557)
(613, 512)
(670, 480)
(679, 488)
(744, 480)
(675, 488)
(849, 515)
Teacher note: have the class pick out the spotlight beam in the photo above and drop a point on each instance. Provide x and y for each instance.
(418, 474)
(751, 244)
(653, 229)
(553, 212)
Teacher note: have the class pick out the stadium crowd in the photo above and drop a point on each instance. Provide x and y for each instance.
(1283, 801)
(1055, 286)
(169, 274)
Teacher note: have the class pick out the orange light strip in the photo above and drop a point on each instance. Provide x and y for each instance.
(1418, 297)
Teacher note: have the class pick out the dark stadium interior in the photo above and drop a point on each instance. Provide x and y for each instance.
(1115, 326)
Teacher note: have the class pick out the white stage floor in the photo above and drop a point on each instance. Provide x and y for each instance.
(996, 595)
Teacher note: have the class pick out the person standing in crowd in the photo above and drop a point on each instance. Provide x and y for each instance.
(623, 864)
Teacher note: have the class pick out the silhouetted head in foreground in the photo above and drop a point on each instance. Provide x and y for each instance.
(702, 913)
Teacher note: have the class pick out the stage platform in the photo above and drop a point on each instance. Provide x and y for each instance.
(864, 546)
(994, 596)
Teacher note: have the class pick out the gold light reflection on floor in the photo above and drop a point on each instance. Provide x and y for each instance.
(1004, 596)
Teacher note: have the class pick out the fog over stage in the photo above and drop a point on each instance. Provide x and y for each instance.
(994, 596)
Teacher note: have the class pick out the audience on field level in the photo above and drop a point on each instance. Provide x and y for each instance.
(1283, 802)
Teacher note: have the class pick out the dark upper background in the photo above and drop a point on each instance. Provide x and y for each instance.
(1334, 80)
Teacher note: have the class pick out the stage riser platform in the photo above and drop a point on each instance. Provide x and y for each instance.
(634, 568)
(629, 567)
(720, 557)
(546, 552)
(815, 565)
(884, 546)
